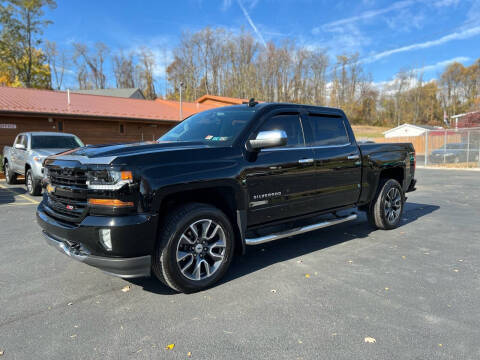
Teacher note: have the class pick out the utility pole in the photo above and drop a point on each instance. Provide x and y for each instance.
(181, 110)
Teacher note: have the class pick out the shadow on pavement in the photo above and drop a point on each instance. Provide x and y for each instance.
(8, 192)
(6, 196)
(261, 256)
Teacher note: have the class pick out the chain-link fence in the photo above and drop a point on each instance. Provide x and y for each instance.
(451, 148)
(456, 148)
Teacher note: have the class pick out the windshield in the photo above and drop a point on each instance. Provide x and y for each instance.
(55, 142)
(215, 127)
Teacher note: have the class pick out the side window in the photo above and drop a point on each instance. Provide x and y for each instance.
(328, 131)
(24, 141)
(17, 140)
(290, 123)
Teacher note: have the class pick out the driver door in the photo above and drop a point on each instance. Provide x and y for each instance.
(18, 157)
(281, 181)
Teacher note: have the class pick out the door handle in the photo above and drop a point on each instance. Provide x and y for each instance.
(353, 157)
(305, 161)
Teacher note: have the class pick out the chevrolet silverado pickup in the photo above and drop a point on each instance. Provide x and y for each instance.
(29, 150)
(182, 207)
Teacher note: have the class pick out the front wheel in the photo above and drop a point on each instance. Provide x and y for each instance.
(385, 211)
(10, 176)
(34, 187)
(194, 249)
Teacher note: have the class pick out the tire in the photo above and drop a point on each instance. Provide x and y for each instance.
(382, 213)
(34, 187)
(10, 176)
(207, 248)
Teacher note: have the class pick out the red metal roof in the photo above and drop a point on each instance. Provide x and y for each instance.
(220, 100)
(56, 102)
(188, 108)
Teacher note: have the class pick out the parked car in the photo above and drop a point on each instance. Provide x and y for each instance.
(455, 153)
(28, 152)
(221, 180)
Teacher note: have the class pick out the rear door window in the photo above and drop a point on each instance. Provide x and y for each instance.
(328, 130)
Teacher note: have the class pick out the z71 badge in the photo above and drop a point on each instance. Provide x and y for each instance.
(267, 195)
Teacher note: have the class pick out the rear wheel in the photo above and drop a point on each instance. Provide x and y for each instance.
(34, 187)
(194, 249)
(385, 211)
(10, 176)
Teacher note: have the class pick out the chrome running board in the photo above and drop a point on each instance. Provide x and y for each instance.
(298, 231)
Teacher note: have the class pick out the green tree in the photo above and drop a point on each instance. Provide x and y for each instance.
(22, 25)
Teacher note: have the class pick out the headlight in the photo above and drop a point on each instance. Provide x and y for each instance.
(108, 179)
(38, 158)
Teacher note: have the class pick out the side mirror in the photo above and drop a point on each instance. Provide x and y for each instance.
(20, 146)
(268, 139)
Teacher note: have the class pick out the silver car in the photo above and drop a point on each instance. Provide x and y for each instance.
(29, 150)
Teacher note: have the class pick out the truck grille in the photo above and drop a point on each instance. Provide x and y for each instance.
(66, 208)
(69, 200)
(67, 176)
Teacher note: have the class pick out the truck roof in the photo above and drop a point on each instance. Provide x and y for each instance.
(272, 105)
(46, 133)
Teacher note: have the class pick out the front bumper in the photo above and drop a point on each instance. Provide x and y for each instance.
(122, 267)
(133, 240)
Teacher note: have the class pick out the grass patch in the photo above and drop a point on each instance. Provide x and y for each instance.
(368, 132)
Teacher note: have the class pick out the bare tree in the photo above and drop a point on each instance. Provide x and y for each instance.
(58, 61)
(124, 70)
(145, 69)
(94, 62)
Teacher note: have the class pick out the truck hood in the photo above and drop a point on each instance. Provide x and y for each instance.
(47, 152)
(448, 151)
(105, 154)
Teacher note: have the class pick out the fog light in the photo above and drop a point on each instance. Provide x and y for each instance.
(106, 239)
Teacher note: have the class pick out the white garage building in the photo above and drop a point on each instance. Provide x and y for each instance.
(409, 130)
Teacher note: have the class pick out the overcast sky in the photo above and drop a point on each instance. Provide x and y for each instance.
(387, 35)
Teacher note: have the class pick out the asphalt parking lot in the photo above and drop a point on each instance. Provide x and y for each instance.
(344, 292)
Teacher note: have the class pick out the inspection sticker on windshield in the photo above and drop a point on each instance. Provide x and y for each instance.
(216, 138)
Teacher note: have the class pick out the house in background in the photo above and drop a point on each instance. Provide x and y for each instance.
(467, 120)
(409, 130)
(96, 119)
(130, 93)
(217, 101)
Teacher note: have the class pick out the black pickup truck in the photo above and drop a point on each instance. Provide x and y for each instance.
(180, 208)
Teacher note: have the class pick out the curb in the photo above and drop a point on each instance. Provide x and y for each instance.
(446, 168)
